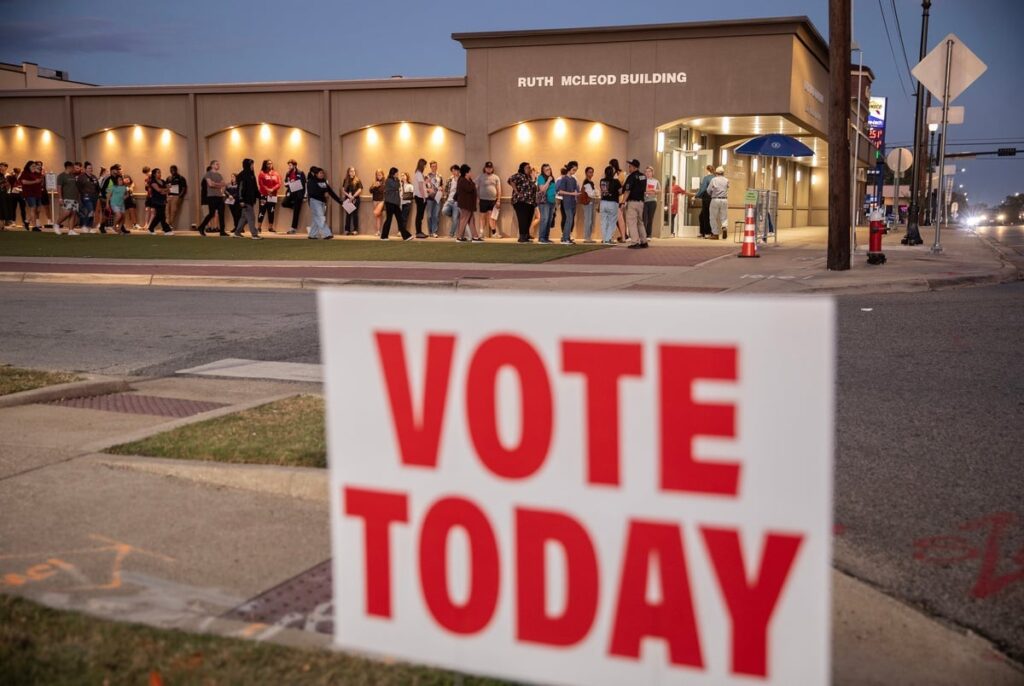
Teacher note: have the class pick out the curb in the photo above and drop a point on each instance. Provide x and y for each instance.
(100, 279)
(75, 389)
(304, 483)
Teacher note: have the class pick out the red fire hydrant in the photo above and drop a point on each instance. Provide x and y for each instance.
(877, 223)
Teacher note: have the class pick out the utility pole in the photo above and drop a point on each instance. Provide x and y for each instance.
(839, 135)
(913, 236)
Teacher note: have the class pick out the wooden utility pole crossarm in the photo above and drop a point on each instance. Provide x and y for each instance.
(839, 135)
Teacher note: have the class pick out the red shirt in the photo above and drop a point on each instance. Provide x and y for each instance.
(28, 188)
(268, 182)
(676, 192)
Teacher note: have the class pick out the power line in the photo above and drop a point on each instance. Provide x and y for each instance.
(899, 32)
(895, 62)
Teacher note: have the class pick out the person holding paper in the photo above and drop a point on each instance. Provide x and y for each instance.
(567, 190)
(393, 205)
(295, 192)
(435, 197)
(231, 200)
(269, 182)
(419, 193)
(488, 187)
(377, 196)
(466, 198)
(177, 189)
(319, 189)
(351, 187)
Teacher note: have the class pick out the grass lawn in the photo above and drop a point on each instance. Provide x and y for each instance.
(22, 244)
(288, 432)
(43, 646)
(15, 380)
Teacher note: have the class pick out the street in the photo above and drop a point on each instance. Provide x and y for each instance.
(927, 488)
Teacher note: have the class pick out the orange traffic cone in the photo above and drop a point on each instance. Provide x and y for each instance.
(749, 248)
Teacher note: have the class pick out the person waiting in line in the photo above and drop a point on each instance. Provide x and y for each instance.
(100, 209)
(524, 199)
(488, 188)
(451, 207)
(214, 181)
(16, 197)
(295, 192)
(88, 192)
(231, 201)
(147, 205)
(705, 202)
(177, 189)
(419, 194)
(467, 200)
(5, 198)
(158, 200)
(318, 188)
(130, 215)
(589, 198)
(204, 193)
(633, 191)
(393, 205)
(377, 197)
(611, 190)
(115, 201)
(718, 190)
(408, 194)
(620, 223)
(545, 201)
(67, 198)
(248, 197)
(351, 188)
(269, 182)
(31, 183)
(435, 198)
(568, 191)
(650, 200)
(675, 190)
(556, 207)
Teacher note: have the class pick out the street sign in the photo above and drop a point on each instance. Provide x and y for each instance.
(956, 115)
(964, 69)
(525, 487)
(899, 159)
(750, 198)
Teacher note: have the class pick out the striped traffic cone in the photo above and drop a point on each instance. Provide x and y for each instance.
(749, 248)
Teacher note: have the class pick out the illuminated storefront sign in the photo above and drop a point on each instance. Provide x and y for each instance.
(876, 121)
(642, 78)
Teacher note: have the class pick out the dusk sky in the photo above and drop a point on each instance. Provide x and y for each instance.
(257, 40)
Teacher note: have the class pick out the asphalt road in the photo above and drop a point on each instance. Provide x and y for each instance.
(929, 493)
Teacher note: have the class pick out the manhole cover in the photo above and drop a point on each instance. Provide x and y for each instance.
(303, 602)
(130, 403)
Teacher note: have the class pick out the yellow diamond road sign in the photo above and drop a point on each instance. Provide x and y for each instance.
(964, 68)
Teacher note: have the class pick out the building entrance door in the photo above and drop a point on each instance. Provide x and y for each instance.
(688, 168)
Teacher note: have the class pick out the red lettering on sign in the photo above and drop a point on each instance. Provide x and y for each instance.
(478, 609)
(418, 441)
(536, 411)
(534, 528)
(378, 510)
(682, 419)
(602, 363)
(750, 603)
(673, 618)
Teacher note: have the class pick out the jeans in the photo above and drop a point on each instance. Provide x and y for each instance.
(451, 210)
(650, 209)
(159, 217)
(352, 219)
(247, 216)
(216, 206)
(719, 214)
(568, 220)
(545, 221)
(588, 220)
(421, 205)
(319, 226)
(609, 218)
(86, 209)
(524, 217)
(432, 216)
(393, 210)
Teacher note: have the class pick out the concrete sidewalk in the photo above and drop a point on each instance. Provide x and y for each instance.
(796, 265)
(191, 545)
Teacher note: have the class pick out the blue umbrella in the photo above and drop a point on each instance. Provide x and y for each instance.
(775, 145)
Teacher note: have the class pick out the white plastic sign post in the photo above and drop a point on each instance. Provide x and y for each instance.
(582, 489)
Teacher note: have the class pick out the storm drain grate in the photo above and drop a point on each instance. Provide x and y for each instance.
(303, 602)
(130, 403)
